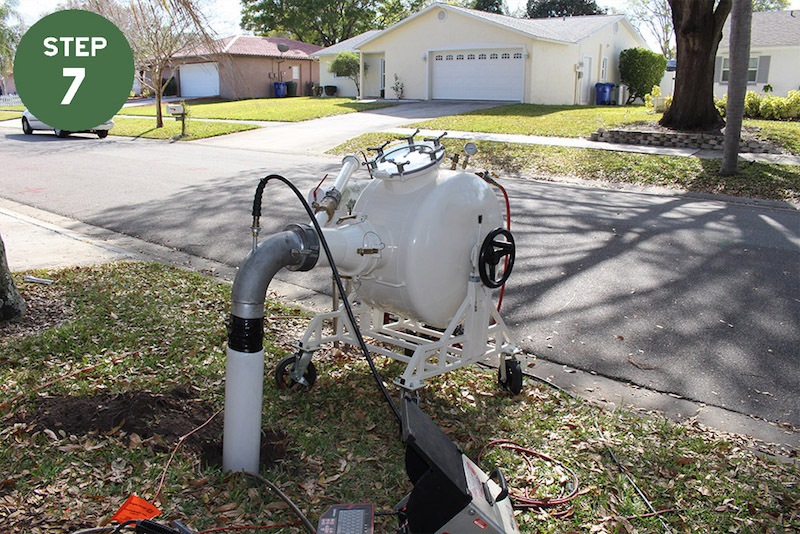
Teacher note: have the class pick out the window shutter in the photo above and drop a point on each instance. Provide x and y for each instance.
(763, 69)
(718, 70)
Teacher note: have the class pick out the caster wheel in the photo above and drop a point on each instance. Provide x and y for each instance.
(283, 373)
(513, 382)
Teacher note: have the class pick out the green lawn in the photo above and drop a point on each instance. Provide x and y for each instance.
(757, 180)
(533, 119)
(269, 109)
(146, 127)
(8, 115)
(127, 358)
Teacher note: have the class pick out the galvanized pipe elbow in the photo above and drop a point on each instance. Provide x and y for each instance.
(296, 248)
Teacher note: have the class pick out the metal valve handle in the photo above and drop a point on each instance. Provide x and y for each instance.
(493, 251)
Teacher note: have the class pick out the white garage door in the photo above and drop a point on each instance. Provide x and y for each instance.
(199, 79)
(493, 74)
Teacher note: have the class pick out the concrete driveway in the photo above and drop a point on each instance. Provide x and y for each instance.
(319, 135)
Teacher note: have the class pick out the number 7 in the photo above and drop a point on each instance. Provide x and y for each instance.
(78, 74)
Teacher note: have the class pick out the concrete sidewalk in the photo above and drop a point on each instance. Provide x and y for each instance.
(32, 243)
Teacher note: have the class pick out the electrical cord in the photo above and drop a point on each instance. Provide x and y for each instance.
(526, 502)
(337, 278)
(285, 498)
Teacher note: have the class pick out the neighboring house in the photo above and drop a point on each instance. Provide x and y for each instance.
(7, 85)
(246, 67)
(449, 52)
(774, 53)
(344, 85)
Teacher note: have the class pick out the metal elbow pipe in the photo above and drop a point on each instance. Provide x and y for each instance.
(296, 248)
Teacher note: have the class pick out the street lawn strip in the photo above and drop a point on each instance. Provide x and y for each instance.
(146, 128)
(293, 109)
(537, 119)
(156, 332)
(754, 180)
(12, 108)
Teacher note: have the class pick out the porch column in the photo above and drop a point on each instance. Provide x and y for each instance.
(360, 75)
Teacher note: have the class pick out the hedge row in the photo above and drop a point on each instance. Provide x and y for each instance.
(765, 106)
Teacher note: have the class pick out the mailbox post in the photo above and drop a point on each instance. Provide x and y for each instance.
(179, 112)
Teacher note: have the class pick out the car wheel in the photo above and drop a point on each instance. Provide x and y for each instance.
(61, 133)
(26, 127)
(102, 134)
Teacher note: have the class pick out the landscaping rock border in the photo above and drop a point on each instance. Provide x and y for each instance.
(668, 138)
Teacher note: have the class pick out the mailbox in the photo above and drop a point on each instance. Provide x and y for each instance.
(175, 109)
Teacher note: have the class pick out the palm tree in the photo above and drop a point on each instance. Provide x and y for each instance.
(741, 16)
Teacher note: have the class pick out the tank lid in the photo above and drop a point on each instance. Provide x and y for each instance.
(403, 161)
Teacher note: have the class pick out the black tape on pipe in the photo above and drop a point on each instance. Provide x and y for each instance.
(246, 335)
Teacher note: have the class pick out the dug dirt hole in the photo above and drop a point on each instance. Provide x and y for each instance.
(166, 417)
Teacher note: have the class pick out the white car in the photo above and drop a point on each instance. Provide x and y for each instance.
(31, 123)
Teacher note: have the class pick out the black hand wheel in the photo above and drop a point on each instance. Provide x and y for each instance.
(285, 370)
(498, 246)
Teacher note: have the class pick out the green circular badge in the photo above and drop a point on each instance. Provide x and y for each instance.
(74, 70)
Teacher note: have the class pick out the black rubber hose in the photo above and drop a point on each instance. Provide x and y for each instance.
(339, 286)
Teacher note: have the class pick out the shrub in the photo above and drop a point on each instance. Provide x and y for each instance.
(650, 97)
(722, 105)
(640, 69)
(347, 64)
(752, 104)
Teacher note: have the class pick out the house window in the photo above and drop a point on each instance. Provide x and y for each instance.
(439, 57)
(448, 57)
(492, 56)
(752, 70)
(481, 56)
(506, 56)
(460, 57)
(604, 68)
(470, 56)
(295, 72)
(518, 55)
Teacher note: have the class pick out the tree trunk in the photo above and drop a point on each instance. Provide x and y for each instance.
(12, 304)
(698, 31)
(159, 89)
(741, 17)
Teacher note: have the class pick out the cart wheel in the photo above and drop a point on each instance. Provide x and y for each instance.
(283, 373)
(513, 382)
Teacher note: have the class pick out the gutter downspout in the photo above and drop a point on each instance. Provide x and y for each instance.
(297, 249)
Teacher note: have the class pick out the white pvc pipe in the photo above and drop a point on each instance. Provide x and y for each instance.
(244, 389)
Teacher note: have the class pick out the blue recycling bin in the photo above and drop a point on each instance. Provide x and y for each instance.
(280, 89)
(603, 93)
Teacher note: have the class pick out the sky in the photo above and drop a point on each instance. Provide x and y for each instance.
(224, 15)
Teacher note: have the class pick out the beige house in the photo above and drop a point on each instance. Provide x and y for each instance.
(449, 52)
(774, 54)
(246, 67)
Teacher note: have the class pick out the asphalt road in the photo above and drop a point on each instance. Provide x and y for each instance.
(691, 296)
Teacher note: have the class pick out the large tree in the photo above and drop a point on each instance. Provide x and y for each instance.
(739, 48)
(11, 30)
(698, 31)
(490, 6)
(323, 22)
(12, 304)
(541, 9)
(156, 30)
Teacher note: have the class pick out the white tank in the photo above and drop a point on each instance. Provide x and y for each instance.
(410, 236)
